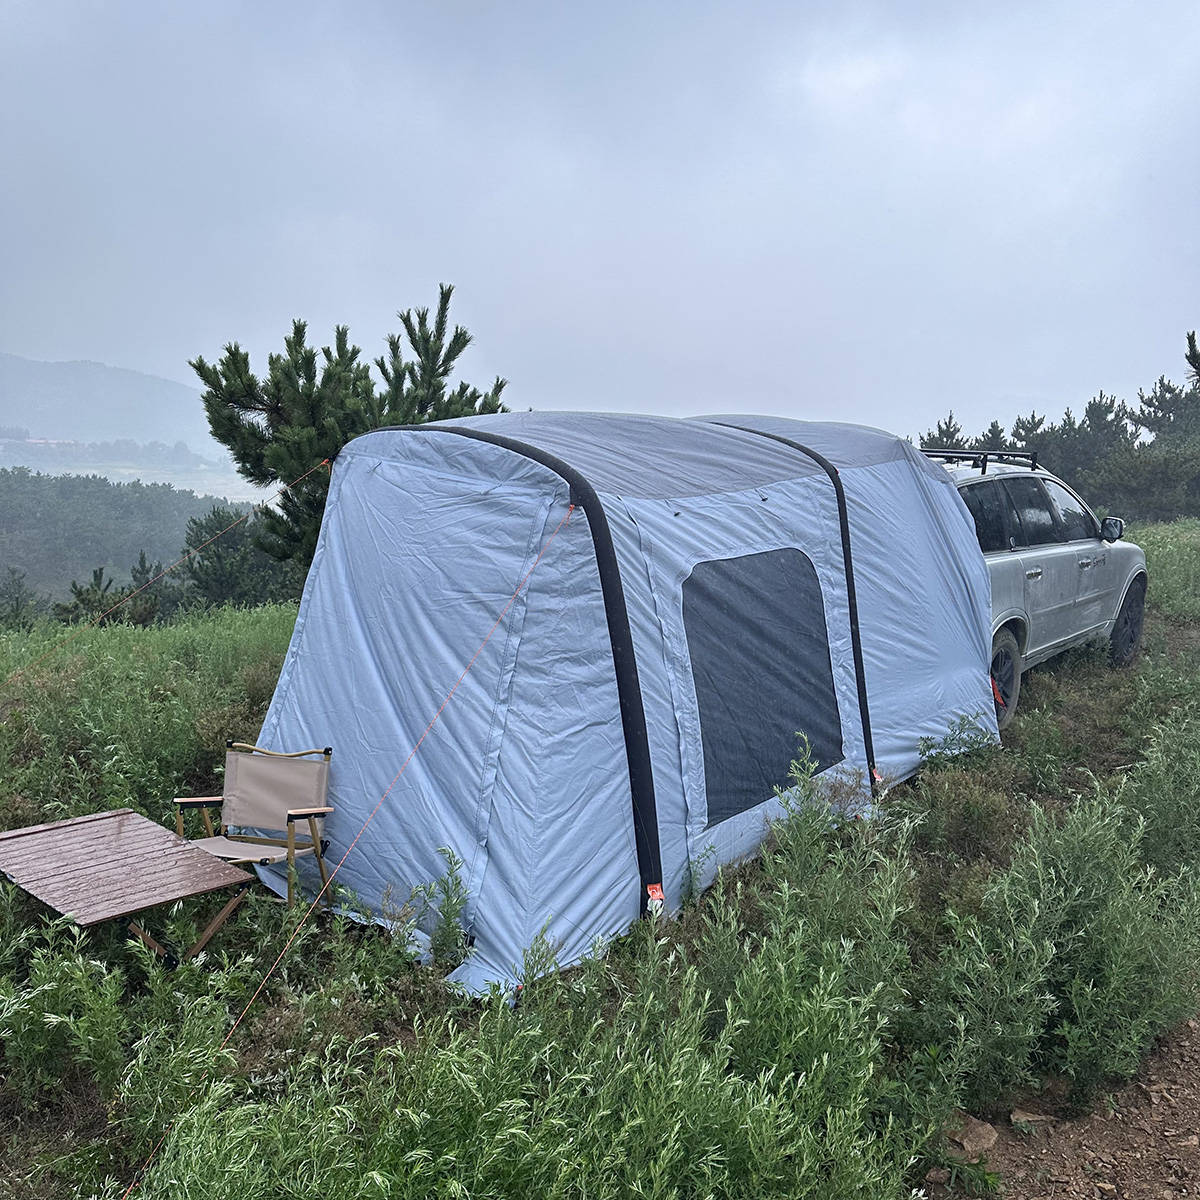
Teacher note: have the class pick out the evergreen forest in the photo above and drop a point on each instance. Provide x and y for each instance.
(1134, 460)
(71, 546)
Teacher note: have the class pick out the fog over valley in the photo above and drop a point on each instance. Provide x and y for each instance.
(869, 212)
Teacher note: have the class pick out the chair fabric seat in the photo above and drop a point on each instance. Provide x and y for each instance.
(266, 793)
(235, 851)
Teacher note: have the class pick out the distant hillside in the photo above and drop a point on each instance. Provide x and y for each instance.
(56, 528)
(90, 402)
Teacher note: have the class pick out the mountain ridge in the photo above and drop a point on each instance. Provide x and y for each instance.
(88, 401)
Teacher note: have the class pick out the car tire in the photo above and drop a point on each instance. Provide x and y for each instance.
(1006, 676)
(1126, 636)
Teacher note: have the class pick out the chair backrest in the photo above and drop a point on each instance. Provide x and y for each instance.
(260, 788)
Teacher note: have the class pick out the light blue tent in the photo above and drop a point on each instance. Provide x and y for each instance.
(721, 585)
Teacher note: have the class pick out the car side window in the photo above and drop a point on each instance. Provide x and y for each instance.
(1017, 535)
(985, 503)
(1038, 520)
(1078, 524)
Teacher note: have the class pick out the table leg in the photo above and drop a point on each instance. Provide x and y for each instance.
(218, 921)
(169, 959)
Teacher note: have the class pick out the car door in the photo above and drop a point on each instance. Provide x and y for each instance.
(1095, 574)
(1050, 565)
(989, 507)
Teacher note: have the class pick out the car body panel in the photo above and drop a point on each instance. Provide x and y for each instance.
(1051, 589)
(1096, 564)
(1058, 594)
(1099, 591)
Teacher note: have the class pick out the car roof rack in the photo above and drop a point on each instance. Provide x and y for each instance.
(980, 458)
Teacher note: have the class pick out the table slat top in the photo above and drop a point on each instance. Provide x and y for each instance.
(109, 865)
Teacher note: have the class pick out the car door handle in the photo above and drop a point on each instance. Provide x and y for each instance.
(1036, 573)
(1085, 564)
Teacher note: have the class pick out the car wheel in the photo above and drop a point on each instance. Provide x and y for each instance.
(1126, 634)
(1006, 676)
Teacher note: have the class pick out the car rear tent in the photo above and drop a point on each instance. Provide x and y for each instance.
(721, 585)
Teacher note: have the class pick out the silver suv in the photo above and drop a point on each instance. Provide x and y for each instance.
(1060, 576)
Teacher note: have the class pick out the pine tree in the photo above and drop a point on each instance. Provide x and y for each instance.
(20, 605)
(992, 438)
(279, 430)
(1026, 431)
(947, 436)
(128, 605)
(1109, 425)
(1165, 410)
(229, 568)
(89, 601)
(159, 593)
(1168, 410)
(416, 390)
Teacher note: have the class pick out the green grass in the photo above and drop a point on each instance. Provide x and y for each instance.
(131, 717)
(1173, 563)
(1012, 919)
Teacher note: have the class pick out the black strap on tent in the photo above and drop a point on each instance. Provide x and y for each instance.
(851, 595)
(629, 689)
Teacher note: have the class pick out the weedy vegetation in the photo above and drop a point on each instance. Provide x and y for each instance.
(1011, 919)
(1173, 561)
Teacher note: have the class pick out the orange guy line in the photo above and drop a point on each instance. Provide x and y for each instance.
(333, 874)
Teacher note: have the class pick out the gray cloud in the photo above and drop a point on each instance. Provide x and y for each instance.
(871, 213)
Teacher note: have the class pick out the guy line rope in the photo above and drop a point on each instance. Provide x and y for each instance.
(133, 1185)
(403, 767)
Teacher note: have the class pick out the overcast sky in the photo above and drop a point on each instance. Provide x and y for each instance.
(866, 212)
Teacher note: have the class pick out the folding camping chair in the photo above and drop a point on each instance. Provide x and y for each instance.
(266, 791)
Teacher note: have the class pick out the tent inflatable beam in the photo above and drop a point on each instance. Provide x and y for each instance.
(629, 688)
(851, 597)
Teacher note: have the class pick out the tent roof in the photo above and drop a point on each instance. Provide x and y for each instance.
(664, 457)
(846, 446)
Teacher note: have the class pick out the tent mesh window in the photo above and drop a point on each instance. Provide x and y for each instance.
(760, 660)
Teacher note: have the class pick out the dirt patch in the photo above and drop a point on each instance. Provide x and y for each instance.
(1142, 1144)
(1183, 641)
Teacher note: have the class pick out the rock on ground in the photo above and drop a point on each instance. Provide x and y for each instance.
(1142, 1143)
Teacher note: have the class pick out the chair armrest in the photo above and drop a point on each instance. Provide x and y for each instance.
(293, 813)
(203, 803)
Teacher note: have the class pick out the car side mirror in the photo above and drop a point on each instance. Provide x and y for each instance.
(1112, 529)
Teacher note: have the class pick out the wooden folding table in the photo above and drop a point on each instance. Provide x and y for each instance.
(116, 864)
